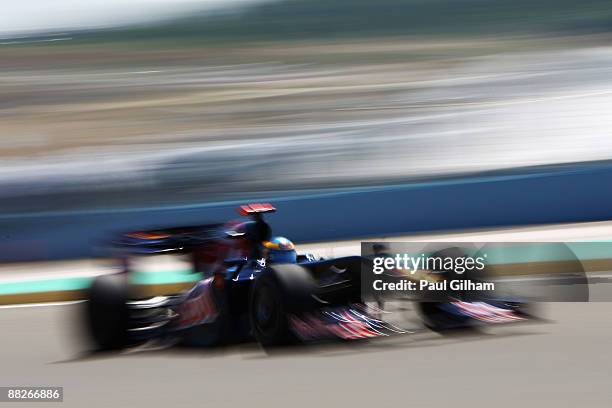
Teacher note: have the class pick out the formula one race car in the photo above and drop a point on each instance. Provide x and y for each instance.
(252, 286)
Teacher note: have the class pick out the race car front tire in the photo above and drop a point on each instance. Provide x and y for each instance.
(280, 292)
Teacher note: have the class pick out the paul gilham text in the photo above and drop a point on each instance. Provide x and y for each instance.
(425, 285)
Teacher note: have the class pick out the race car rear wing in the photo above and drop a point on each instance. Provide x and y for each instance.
(256, 208)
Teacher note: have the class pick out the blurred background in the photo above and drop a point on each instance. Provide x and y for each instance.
(137, 104)
(122, 103)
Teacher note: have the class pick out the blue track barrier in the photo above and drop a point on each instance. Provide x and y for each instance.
(571, 193)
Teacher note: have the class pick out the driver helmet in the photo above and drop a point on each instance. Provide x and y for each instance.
(280, 250)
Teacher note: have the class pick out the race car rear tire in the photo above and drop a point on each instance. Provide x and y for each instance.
(107, 315)
(280, 292)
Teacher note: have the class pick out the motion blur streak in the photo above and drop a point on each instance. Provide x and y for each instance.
(290, 95)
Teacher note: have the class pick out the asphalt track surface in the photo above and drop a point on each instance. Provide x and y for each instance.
(562, 362)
